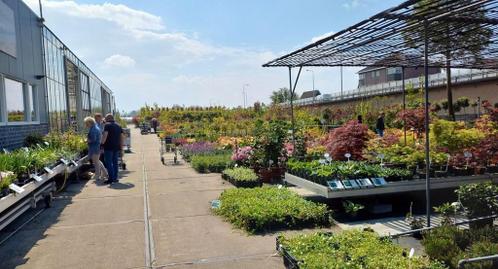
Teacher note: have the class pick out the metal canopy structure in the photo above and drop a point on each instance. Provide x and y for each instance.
(416, 33)
(395, 37)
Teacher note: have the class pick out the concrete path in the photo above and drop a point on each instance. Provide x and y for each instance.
(156, 217)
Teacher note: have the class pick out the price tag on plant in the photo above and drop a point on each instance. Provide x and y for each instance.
(16, 188)
(74, 163)
(48, 170)
(36, 177)
(64, 161)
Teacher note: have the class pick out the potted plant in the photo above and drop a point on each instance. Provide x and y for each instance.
(479, 200)
(352, 209)
(269, 149)
(414, 222)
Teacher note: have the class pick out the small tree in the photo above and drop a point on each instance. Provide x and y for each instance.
(350, 138)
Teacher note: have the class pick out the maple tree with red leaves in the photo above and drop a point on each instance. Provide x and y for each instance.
(350, 138)
(414, 119)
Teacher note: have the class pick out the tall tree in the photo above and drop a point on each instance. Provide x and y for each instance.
(452, 39)
(282, 95)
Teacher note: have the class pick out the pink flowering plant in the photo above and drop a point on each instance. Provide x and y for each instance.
(242, 156)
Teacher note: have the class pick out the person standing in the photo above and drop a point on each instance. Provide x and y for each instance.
(100, 122)
(112, 140)
(93, 139)
(360, 119)
(380, 126)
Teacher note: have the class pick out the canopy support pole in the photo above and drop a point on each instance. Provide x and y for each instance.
(292, 89)
(426, 123)
(404, 98)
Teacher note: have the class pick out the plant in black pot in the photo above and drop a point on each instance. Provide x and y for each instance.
(269, 149)
(479, 200)
(414, 222)
(352, 209)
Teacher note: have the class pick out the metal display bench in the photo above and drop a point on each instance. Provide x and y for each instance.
(389, 188)
(15, 204)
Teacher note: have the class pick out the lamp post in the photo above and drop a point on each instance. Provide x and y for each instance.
(313, 79)
(244, 94)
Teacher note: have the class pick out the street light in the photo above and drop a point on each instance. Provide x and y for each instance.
(244, 94)
(313, 76)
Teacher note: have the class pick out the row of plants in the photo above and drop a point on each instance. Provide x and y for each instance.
(266, 208)
(40, 152)
(211, 163)
(242, 177)
(323, 171)
(350, 249)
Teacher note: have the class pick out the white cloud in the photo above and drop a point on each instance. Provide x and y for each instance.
(316, 38)
(350, 4)
(162, 65)
(125, 17)
(118, 60)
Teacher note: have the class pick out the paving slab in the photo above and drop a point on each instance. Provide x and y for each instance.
(107, 246)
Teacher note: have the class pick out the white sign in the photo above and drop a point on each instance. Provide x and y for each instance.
(75, 163)
(16, 188)
(64, 161)
(412, 252)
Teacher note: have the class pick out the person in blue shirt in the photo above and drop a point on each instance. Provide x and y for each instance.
(94, 139)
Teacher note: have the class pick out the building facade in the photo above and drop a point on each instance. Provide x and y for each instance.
(43, 85)
(376, 75)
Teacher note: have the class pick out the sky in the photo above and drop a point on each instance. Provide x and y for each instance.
(201, 52)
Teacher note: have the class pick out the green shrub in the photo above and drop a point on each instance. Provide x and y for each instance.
(267, 208)
(479, 200)
(450, 244)
(241, 174)
(351, 249)
(211, 163)
(445, 243)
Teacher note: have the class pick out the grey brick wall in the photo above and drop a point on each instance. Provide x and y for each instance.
(12, 137)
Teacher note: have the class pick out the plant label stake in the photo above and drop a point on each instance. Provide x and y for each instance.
(75, 163)
(46, 143)
(381, 156)
(16, 188)
(6, 151)
(64, 161)
(347, 155)
(36, 177)
(25, 149)
(48, 170)
(467, 156)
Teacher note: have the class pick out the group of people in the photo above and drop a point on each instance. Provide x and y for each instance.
(105, 141)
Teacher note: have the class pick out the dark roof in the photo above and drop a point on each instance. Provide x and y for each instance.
(391, 33)
(310, 94)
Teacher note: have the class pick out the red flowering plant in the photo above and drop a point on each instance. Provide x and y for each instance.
(491, 110)
(350, 138)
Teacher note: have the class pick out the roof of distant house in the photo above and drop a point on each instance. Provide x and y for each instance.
(310, 94)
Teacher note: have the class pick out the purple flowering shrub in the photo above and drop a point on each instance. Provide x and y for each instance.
(242, 156)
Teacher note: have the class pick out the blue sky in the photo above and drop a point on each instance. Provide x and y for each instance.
(200, 52)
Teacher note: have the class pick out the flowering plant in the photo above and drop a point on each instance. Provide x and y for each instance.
(242, 155)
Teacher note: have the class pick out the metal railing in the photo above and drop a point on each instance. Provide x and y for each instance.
(392, 87)
(492, 258)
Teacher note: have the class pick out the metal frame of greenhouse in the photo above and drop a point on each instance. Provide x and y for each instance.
(401, 37)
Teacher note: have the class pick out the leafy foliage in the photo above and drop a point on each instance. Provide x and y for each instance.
(351, 249)
(241, 174)
(268, 208)
(349, 138)
(211, 163)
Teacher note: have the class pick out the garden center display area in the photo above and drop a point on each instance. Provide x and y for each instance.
(226, 187)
